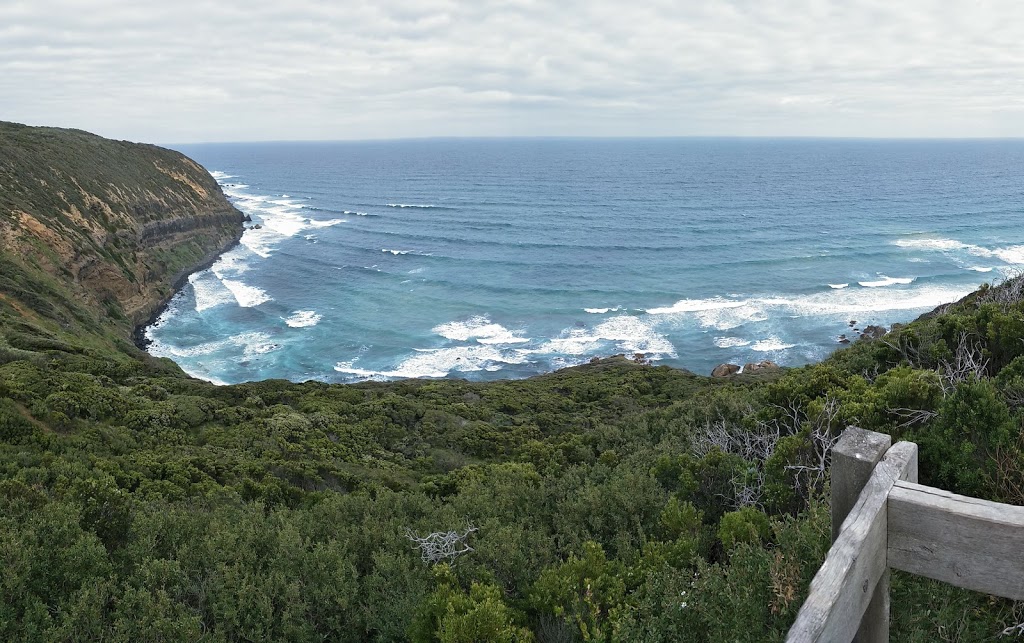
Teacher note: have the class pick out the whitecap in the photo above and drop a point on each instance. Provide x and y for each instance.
(838, 286)
(324, 224)
(626, 333)
(410, 205)
(635, 335)
(358, 214)
(1012, 254)
(246, 295)
(208, 291)
(770, 344)
(396, 252)
(980, 269)
(440, 362)
(932, 244)
(601, 311)
(696, 305)
(887, 281)
(480, 328)
(731, 342)
(303, 318)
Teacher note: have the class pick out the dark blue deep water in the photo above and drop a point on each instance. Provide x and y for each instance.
(505, 258)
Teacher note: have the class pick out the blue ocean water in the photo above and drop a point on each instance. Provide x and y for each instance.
(494, 258)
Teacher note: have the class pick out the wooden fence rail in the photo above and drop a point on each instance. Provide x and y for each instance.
(881, 520)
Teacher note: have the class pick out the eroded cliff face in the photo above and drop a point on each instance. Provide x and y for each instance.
(121, 221)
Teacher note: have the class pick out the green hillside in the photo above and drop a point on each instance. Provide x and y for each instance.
(616, 501)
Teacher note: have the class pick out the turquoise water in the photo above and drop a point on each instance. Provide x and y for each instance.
(500, 258)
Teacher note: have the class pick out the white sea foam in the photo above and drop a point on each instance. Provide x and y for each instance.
(932, 244)
(838, 303)
(277, 218)
(480, 328)
(358, 214)
(573, 342)
(770, 344)
(410, 205)
(324, 224)
(208, 291)
(696, 305)
(396, 252)
(303, 318)
(731, 342)
(601, 311)
(252, 344)
(838, 286)
(887, 281)
(247, 296)
(635, 335)
(623, 333)
(980, 268)
(1011, 254)
(440, 362)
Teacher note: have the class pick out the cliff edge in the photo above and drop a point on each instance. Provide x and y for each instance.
(95, 232)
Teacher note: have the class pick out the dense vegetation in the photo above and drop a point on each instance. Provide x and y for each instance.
(616, 501)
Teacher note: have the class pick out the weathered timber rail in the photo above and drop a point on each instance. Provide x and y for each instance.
(881, 520)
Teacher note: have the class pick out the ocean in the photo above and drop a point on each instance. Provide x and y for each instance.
(505, 258)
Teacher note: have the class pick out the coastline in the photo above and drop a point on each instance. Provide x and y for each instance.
(139, 331)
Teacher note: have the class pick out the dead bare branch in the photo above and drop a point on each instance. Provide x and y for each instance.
(439, 546)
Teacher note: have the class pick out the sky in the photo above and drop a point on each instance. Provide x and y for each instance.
(181, 71)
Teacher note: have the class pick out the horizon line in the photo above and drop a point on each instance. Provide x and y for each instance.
(554, 137)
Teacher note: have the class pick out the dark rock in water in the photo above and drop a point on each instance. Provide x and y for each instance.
(595, 360)
(844, 340)
(853, 322)
(759, 366)
(873, 332)
(255, 227)
(725, 370)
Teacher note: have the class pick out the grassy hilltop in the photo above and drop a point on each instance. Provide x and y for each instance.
(616, 501)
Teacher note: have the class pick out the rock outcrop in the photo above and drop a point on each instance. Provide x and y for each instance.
(725, 370)
(873, 332)
(759, 366)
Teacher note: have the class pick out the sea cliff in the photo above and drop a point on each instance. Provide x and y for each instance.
(118, 224)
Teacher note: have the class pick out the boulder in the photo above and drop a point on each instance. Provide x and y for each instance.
(725, 370)
(759, 366)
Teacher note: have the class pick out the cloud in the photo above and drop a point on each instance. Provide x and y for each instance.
(194, 70)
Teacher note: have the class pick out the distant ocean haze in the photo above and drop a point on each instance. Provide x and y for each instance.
(496, 258)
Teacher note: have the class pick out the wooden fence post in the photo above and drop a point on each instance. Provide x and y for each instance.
(853, 459)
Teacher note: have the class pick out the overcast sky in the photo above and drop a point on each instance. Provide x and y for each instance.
(176, 71)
